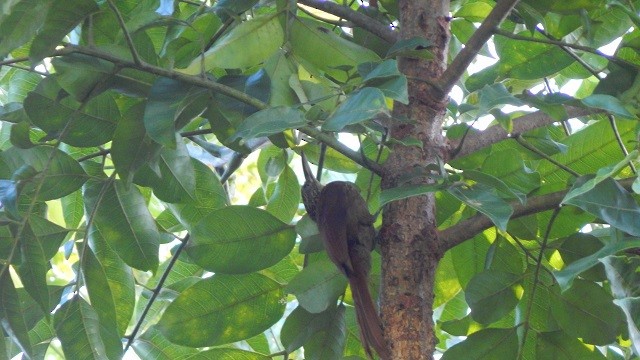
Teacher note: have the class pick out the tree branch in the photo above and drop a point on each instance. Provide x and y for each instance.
(380, 30)
(222, 89)
(479, 38)
(496, 133)
(468, 228)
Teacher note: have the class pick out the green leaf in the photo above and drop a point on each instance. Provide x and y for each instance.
(63, 16)
(485, 201)
(256, 240)
(25, 19)
(60, 173)
(177, 181)
(301, 326)
(596, 321)
(193, 39)
(406, 191)
(318, 286)
(415, 47)
(360, 106)
(486, 344)
(494, 96)
(229, 354)
(557, 345)
(285, 199)
(79, 331)
(491, 295)
(12, 315)
(209, 196)
(246, 45)
(153, 345)
(121, 217)
(226, 9)
(269, 121)
(566, 276)
(494, 182)
(132, 148)
(608, 103)
(610, 202)
(333, 160)
(110, 284)
(387, 77)
(223, 309)
(9, 197)
(328, 343)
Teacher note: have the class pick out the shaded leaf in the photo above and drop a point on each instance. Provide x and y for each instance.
(608, 103)
(12, 316)
(285, 198)
(318, 286)
(491, 295)
(485, 201)
(269, 121)
(486, 344)
(360, 106)
(24, 20)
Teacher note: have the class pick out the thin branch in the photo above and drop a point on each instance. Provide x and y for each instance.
(616, 133)
(525, 144)
(155, 293)
(470, 227)
(522, 124)
(613, 59)
(361, 20)
(571, 53)
(479, 38)
(127, 36)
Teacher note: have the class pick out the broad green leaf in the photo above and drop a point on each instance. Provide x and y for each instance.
(360, 106)
(153, 345)
(79, 331)
(608, 103)
(229, 354)
(387, 77)
(280, 69)
(538, 310)
(566, 276)
(62, 17)
(255, 241)
(326, 50)
(193, 39)
(132, 148)
(269, 121)
(72, 209)
(110, 284)
(285, 199)
(24, 21)
(558, 345)
(469, 258)
(486, 344)
(494, 96)
(579, 246)
(406, 191)
(310, 240)
(64, 117)
(328, 342)
(485, 201)
(415, 47)
(446, 286)
(12, 315)
(595, 321)
(122, 218)
(167, 99)
(491, 295)
(610, 202)
(318, 286)
(246, 45)
(60, 173)
(301, 325)
(226, 9)
(494, 182)
(81, 75)
(223, 309)
(333, 160)
(209, 196)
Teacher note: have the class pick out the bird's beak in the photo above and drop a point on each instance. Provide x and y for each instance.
(308, 174)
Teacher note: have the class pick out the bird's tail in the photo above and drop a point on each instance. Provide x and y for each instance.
(371, 333)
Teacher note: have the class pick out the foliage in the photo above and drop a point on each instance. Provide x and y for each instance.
(125, 123)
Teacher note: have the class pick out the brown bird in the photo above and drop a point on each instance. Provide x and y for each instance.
(346, 229)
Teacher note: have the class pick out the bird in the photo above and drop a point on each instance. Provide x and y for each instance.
(348, 235)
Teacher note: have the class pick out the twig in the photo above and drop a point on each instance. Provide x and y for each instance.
(127, 36)
(616, 133)
(525, 144)
(462, 61)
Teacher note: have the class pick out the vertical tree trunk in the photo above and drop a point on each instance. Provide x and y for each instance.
(409, 238)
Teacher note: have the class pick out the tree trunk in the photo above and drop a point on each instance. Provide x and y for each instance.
(410, 245)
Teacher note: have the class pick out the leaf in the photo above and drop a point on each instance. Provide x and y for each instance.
(229, 354)
(329, 342)
(595, 321)
(485, 201)
(60, 173)
(12, 315)
(360, 106)
(285, 199)
(557, 345)
(608, 103)
(387, 77)
(222, 309)
(493, 96)
(121, 217)
(9, 197)
(246, 45)
(301, 325)
(566, 276)
(25, 19)
(78, 328)
(610, 202)
(256, 240)
(415, 47)
(496, 183)
(62, 17)
(317, 286)
(153, 345)
(269, 121)
(209, 196)
(226, 9)
(491, 295)
(406, 191)
(486, 344)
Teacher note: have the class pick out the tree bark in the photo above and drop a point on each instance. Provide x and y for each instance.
(410, 247)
